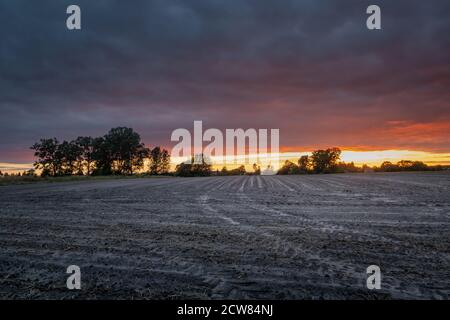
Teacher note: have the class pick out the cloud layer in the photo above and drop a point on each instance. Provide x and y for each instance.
(310, 68)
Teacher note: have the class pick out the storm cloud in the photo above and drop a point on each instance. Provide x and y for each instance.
(310, 68)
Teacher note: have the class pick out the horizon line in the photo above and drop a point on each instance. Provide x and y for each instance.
(359, 158)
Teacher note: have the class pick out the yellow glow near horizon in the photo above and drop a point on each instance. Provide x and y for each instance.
(7, 167)
(371, 158)
(375, 158)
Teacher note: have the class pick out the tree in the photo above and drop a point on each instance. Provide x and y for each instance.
(224, 171)
(200, 167)
(419, 166)
(405, 165)
(256, 169)
(389, 167)
(137, 161)
(183, 170)
(48, 157)
(325, 161)
(29, 173)
(126, 150)
(56, 159)
(288, 168)
(159, 161)
(86, 145)
(348, 167)
(102, 156)
(69, 155)
(304, 164)
(239, 171)
(165, 162)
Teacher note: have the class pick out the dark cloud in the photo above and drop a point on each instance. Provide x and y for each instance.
(310, 68)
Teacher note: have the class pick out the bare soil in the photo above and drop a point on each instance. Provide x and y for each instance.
(244, 237)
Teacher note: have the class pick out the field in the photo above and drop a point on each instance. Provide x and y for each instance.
(258, 237)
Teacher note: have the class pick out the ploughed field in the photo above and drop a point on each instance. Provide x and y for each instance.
(249, 237)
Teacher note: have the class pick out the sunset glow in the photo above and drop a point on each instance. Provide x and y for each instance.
(371, 158)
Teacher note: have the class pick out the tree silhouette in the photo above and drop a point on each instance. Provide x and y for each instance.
(199, 165)
(120, 151)
(48, 157)
(348, 167)
(68, 154)
(126, 150)
(389, 166)
(406, 165)
(256, 169)
(419, 166)
(304, 164)
(325, 161)
(159, 161)
(165, 162)
(102, 156)
(288, 168)
(86, 145)
(184, 170)
(224, 171)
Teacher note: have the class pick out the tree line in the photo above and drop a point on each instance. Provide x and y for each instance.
(327, 161)
(120, 152)
(406, 165)
(239, 171)
(320, 161)
(202, 167)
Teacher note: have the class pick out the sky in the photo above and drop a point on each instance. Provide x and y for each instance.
(310, 68)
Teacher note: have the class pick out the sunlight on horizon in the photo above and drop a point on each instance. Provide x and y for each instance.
(371, 158)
